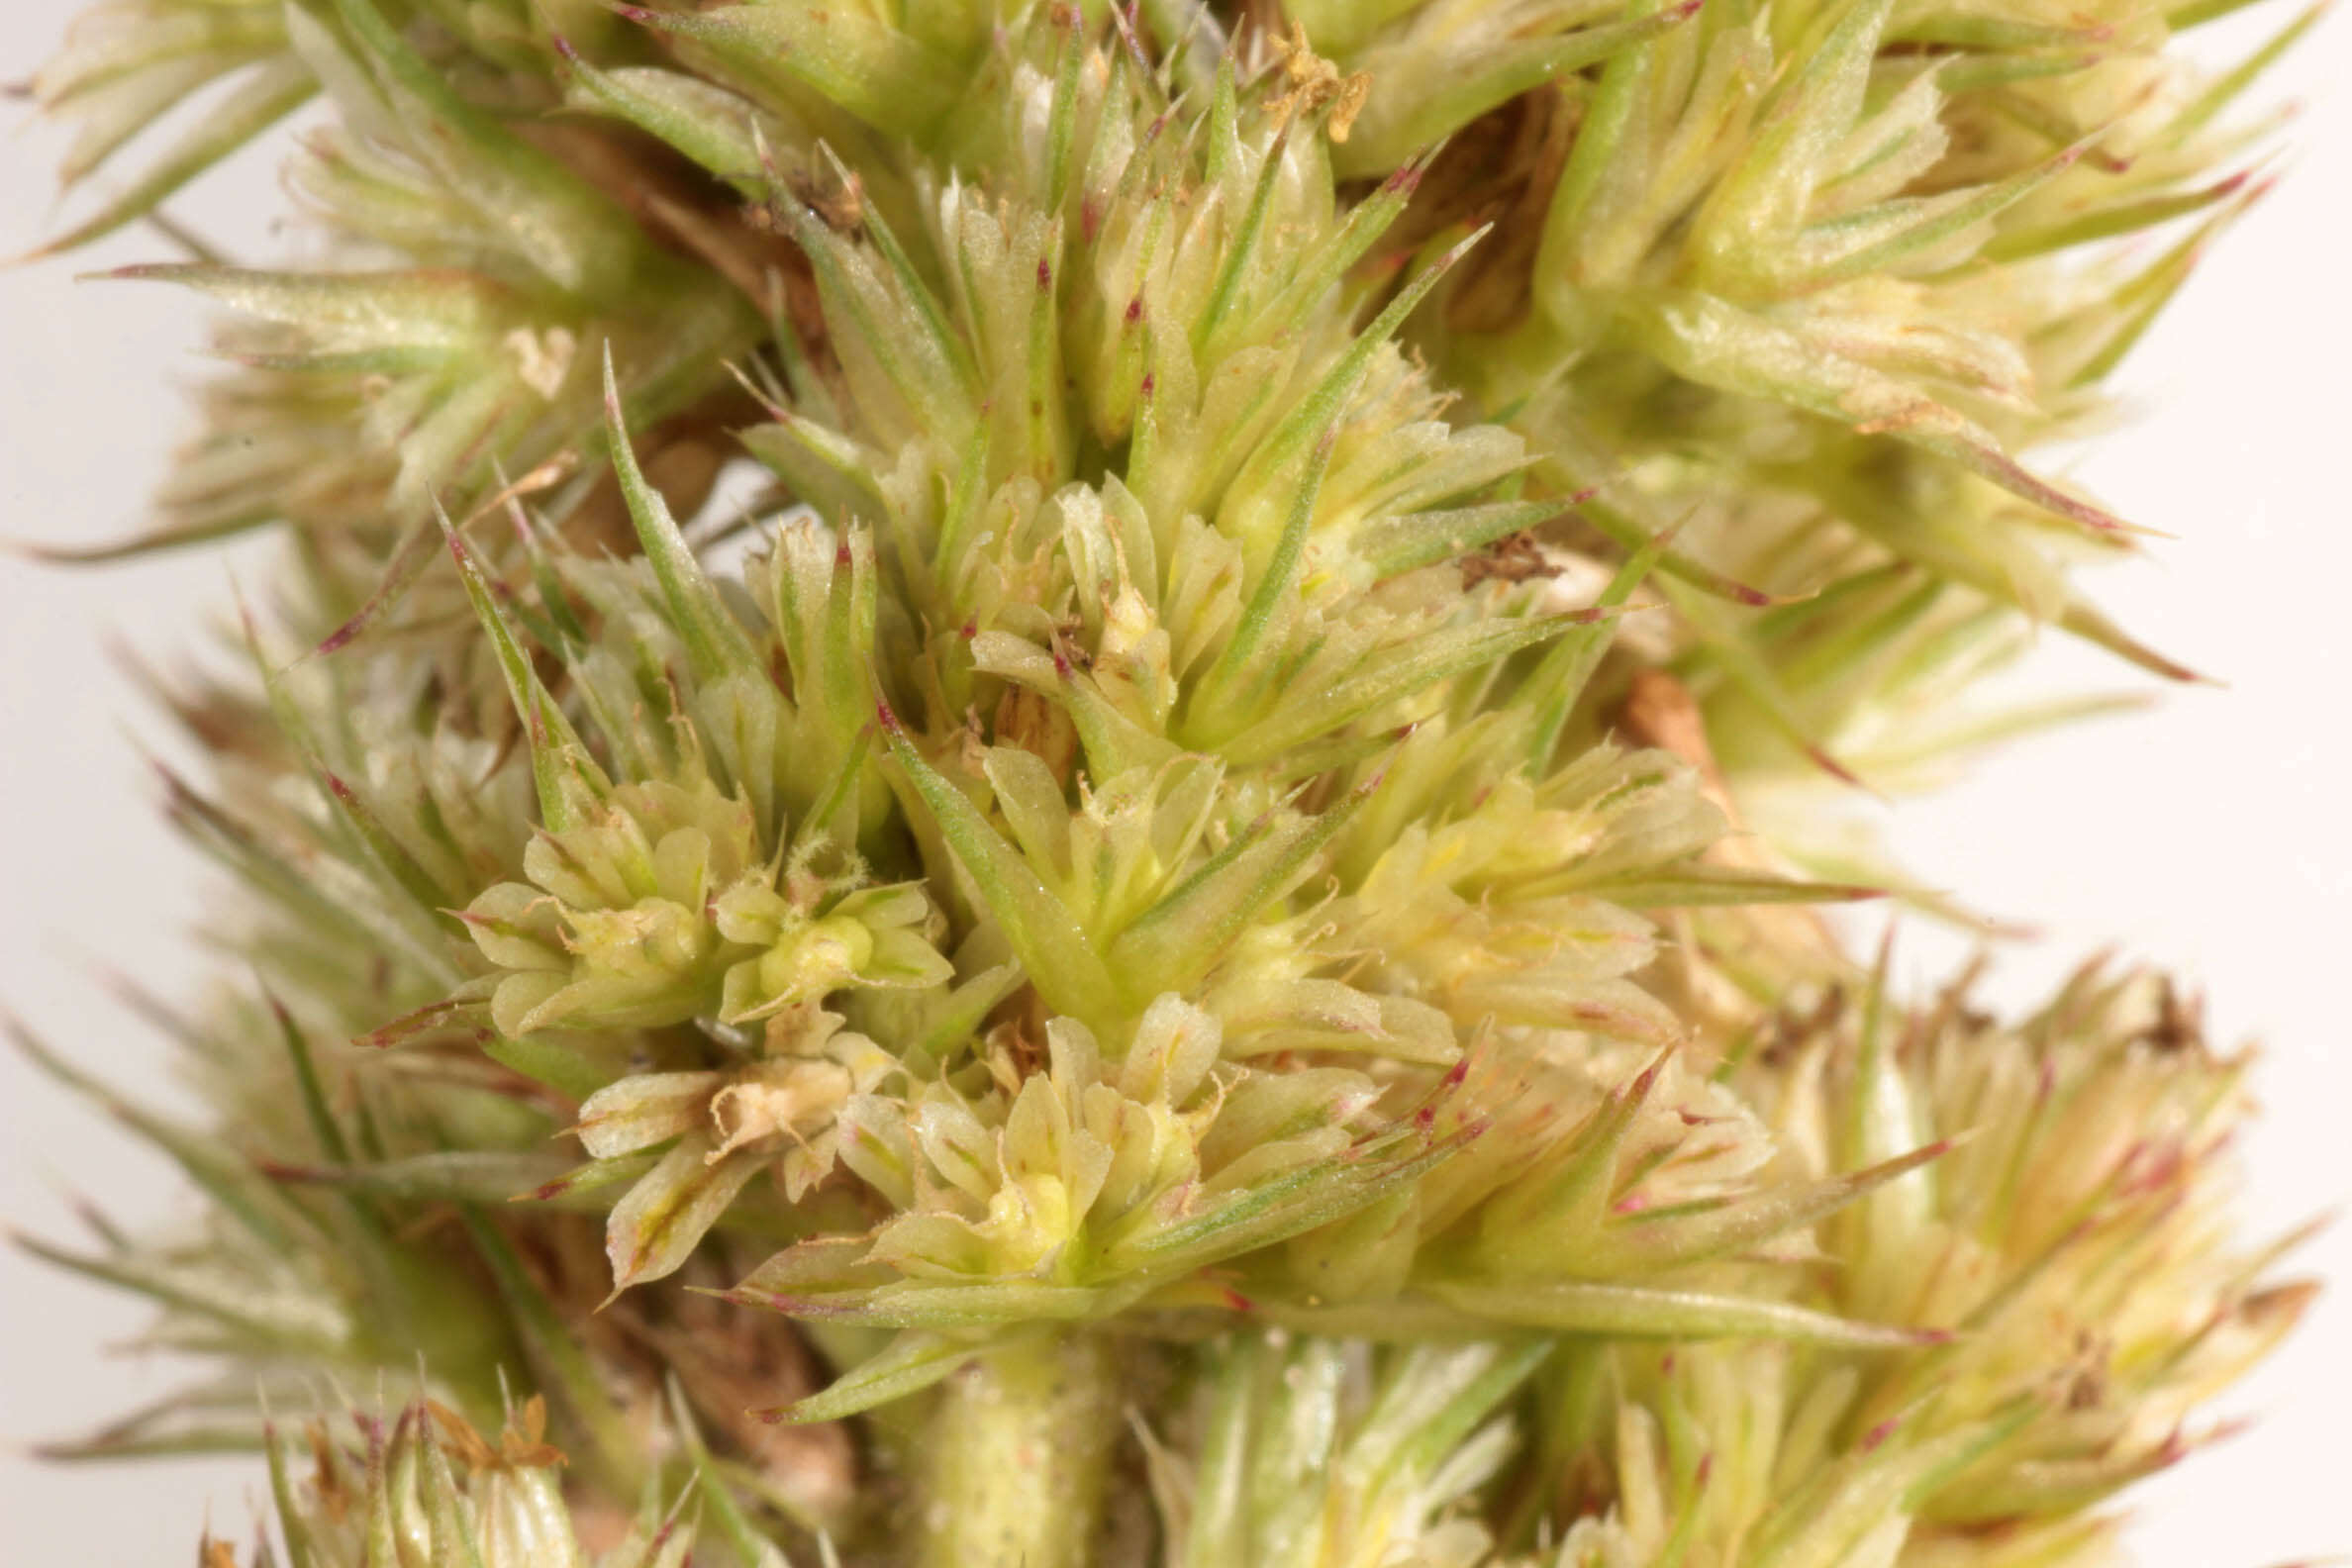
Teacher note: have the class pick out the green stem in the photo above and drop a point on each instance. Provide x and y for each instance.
(1018, 1448)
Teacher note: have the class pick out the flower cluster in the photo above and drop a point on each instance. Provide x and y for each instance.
(657, 909)
(427, 1488)
(1206, 831)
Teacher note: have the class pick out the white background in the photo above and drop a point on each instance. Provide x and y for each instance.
(2212, 834)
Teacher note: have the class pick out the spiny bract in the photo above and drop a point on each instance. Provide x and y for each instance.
(1040, 783)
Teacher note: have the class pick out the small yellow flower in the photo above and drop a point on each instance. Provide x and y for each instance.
(659, 909)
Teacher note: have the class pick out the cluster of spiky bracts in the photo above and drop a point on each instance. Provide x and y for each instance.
(1175, 931)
